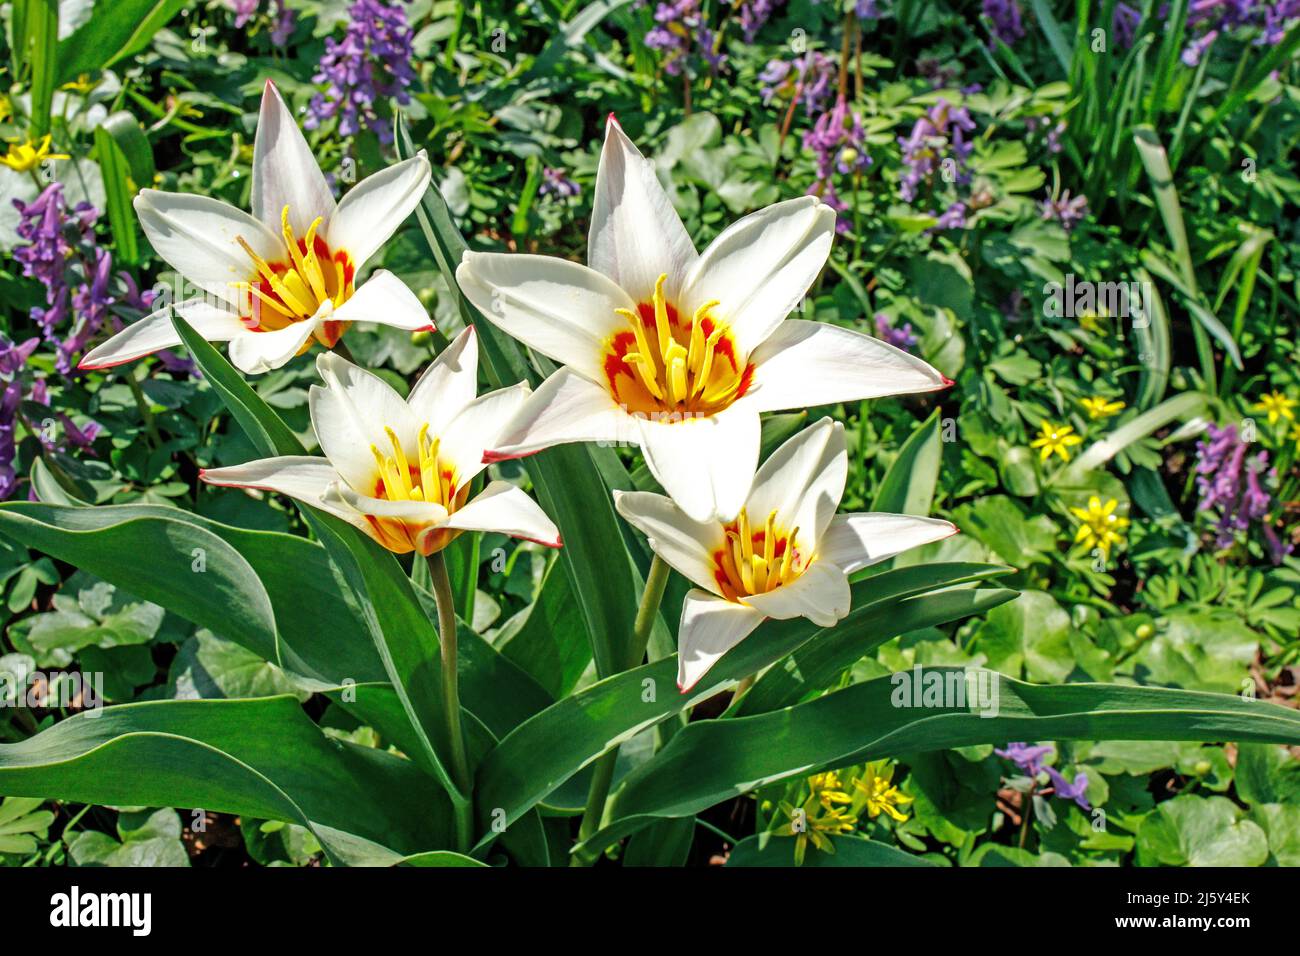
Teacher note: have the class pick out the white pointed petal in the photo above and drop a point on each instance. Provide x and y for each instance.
(505, 508)
(565, 408)
(155, 332)
(562, 309)
(256, 352)
(198, 237)
(285, 172)
(854, 541)
(350, 414)
(448, 384)
(705, 464)
(419, 513)
(385, 299)
(636, 235)
(373, 209)
(820, 594)
(301, 477)
(710, 627)
(803, 482)
(477, 429)
(687, 545)
(760, 267)
(804, 364)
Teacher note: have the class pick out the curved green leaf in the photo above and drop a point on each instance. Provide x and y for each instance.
(543, 752)
(713, 760)
(260, 758)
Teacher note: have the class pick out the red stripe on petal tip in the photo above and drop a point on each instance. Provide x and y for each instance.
(947, 382)
(492, 457)
(612, 119)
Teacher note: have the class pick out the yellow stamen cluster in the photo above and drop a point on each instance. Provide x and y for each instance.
(682, 370)
(755, 563)
(429, 480)
(303, 282)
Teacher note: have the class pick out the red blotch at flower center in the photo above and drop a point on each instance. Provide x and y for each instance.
(293, 288)
(667, 364)
(756, 560)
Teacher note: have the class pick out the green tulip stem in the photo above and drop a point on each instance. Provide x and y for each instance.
(442, 593)
(603, 774)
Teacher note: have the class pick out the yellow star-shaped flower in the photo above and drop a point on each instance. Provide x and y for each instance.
(1276, 405)
(23, 156)
(882, 797)
(1098, 407)
(1055, 439)
(1100, 527)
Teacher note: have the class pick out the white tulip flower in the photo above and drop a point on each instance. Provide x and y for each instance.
(285, 276)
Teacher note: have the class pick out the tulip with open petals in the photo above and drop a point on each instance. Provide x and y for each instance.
(400, 470)
(675, 351)
(285, 276)
(785, 554)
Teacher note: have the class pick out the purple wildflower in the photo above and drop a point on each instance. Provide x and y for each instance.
(1213, 18)
(12, 359)
(903, 338)
(1068, 212)
(1052, 139)
(555, 183)
(62, 253)
(283, 20)
(1228, 480)
(754, 15)
(372, 63)
(809, 79)
(838, 143)
(1124, 22)
(1028, 759)
(1070, 791)
(954, 217)
(1004, 18)
(938, 135)
(682, 28)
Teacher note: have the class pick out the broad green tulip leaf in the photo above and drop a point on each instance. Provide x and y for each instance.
(548, 639)
(117, 29)
(543, 752)
(158, 559)
(764, 849)
(259, 757)
(818, 664)
(714, 760)
(908, 486)
(440, 858)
